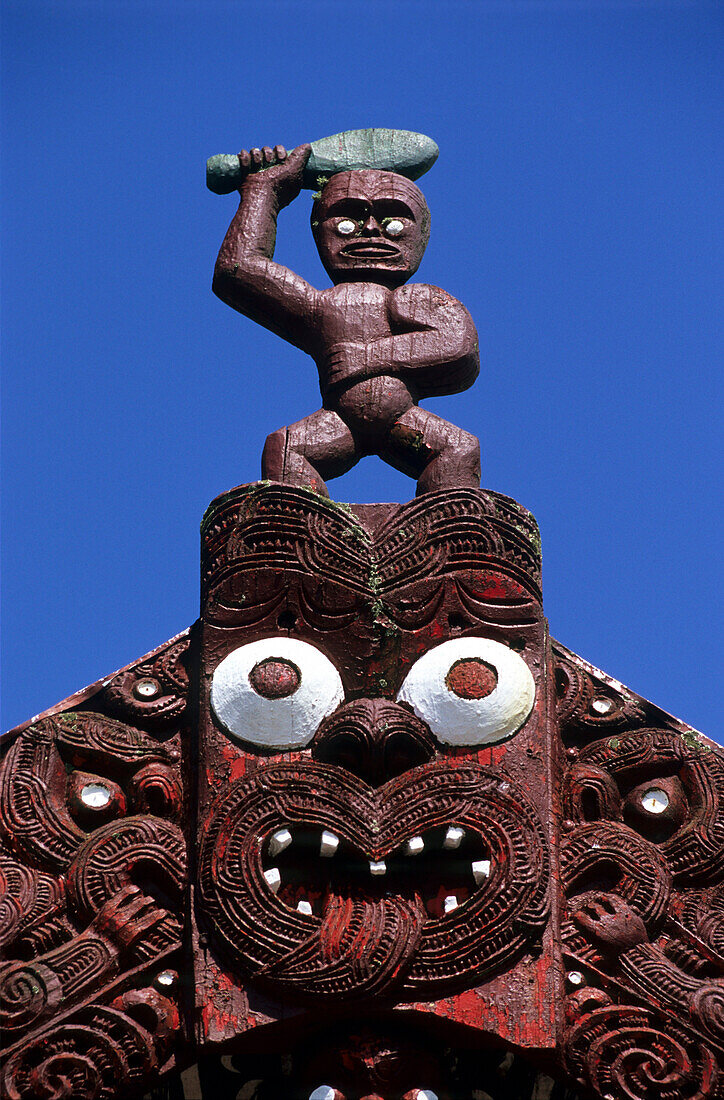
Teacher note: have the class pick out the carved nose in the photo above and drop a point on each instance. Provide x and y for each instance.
(374, 739)
(371, 228)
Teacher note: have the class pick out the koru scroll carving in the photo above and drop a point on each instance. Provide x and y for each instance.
(642, 862)
(365, 830)
(92, 881)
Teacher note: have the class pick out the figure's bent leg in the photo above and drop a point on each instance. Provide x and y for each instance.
(439, 454)
(308, 452)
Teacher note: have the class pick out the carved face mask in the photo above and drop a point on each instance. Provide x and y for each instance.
(364, 699)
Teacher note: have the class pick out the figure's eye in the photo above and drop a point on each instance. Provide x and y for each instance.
(275, 692)
(326, 1092)
(393, 227)
(470, 691)
(657, 808)
(346, 227)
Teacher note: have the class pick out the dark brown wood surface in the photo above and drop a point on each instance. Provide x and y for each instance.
(379, 345)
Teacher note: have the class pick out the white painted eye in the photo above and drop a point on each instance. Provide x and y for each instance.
(655, 801)
(323, 1092)
(275, 692)
(346, 227)
(394, 227)
(470, 691)
(95, 795)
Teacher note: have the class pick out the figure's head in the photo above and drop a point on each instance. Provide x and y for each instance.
(371, 226)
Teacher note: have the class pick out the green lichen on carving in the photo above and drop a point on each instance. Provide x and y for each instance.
(531, 534)
(692, 742)
(375, 583)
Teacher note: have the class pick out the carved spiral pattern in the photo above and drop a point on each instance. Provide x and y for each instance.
(590, 792)
(156, 790)
(94, 741)
(592, 706)
(630, 1053)
(575, 691)
(27, 990)
(33, 816)
(61, 1074)
(707, 1007)
(704, 916)
(695, 851)
(291, 529)
(17, 893)
(645, 809)
(99, 1054)
(641, 875)
(54, 917)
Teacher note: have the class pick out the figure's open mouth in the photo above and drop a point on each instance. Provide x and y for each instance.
(370, 250)
(319, 884)
(436, 871)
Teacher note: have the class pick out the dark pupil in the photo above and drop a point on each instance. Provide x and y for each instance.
(471, 678)
(275, 678)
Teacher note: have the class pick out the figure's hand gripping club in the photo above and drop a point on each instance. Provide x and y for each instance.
(400, 151)
(281, 170)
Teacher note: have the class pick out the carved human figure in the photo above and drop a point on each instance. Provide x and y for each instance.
(379, 345)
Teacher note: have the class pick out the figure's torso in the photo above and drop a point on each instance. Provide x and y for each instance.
(359, 313)
(354, 312)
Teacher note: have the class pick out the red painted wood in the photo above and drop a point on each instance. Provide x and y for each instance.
(374, 596)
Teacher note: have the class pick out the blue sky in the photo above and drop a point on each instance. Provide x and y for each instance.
(576, 211)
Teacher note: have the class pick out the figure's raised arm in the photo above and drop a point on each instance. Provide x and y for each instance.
(246, 276)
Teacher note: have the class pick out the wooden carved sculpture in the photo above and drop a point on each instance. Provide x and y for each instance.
(379, 345)
(365, 830)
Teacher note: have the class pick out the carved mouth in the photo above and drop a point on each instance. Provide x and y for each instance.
(376, 915)
(436, 871)
(375, 251)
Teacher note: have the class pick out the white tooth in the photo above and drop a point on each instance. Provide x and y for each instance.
(280, 840)
(378, 867)
(481, 869)
(414, 846)
(273, 879)
(451, 903)
(304, 907)
(453, 837)
(329, 845)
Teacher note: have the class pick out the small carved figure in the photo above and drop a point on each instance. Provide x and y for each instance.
(379, 345)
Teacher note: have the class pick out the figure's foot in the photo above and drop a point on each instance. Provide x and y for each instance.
(424, 487)
(279, 462)
(457, 470)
